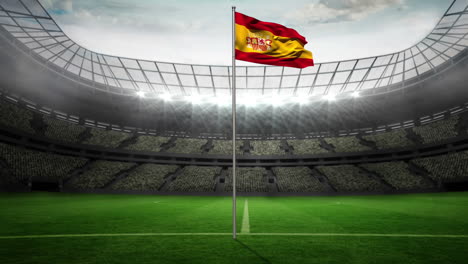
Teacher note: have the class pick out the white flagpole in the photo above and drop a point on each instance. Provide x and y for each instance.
(234, 232)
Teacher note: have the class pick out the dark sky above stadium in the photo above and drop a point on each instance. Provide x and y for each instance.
(200, 31)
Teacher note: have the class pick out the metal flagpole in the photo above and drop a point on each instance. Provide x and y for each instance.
(234, 233)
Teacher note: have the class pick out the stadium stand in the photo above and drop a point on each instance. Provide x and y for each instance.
(438, 131)
(146, 177)
(297, 179)
(148, 143)
(224, 147)
(398, 175)
(306, 146)
(247, 180)
(36, 165)
(62, 130)
(350, 178)
(188, 145)
(15, 117)
(346, 144)
(389, 140)
(452, 167)
(266, 147)
(99, 174)
(195, 179)
(106, 138)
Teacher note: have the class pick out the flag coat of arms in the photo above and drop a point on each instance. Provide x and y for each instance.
(269, 43)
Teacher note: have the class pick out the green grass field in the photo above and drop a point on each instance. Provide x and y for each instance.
(85, 228)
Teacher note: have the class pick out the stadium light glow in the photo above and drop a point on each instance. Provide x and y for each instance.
(195, 99)
(140, 94)
(356, 94)
(166, 97)
(300, 99)
(222, 100)
(330, 97)
(277, 100)
(247, 101)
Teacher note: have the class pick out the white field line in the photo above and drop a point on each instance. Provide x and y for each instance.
(241, 234)
(245, 229)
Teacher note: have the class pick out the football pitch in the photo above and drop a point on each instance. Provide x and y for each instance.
(89, 228)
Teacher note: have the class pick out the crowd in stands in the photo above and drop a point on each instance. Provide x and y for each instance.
(62, 130)
(146, 177)
(266, 147)
(398, 175)
(24, 164)
(99, 174)
(106, 138)
(346, 144)
(188, 146)
(247, 180)
(15, 117)
(306, 146)
(451, 167)
(350, 178)
(148, 143)
(389, 140)
(195, 179)
(297, 179)
(224, 147)
(438, 131)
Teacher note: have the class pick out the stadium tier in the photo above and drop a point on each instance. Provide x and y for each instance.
(16, 117)
(98, 175)
(390, 140)
(62, 130)
(188, 145)
(266, 147)
(25, 165)
(452, 167)
(306, 146)
(247, 180)
(438, 131)
(106, 138)
(146, 177)
(346, 144)
(398, 175)
(350, 178)
(148, 143)
(195, 179)
(298, 179)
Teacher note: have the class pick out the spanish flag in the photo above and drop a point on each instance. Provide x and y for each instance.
(270, 43)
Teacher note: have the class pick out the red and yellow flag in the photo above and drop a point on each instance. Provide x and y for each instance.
(270, 43)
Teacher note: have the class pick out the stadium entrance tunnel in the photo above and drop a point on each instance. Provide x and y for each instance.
(456, 186)
(45, 186)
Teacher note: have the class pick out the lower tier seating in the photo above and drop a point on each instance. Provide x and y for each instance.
(452, 167)
(390, 140)
(350, 178)
(98, 175)
(195, 179)
(23, 164)
(224, 147)
(398, 175)
(247, 180)
(146, 177)
(297, 179)
(106, 138)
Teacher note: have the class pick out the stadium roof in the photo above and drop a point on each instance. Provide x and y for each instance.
(37, 32)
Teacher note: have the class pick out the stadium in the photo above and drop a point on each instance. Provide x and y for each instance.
(113, 159)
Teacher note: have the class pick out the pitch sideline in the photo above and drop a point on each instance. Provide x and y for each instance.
(240, 234)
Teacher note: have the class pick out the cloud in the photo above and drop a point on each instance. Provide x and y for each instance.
(328, 11)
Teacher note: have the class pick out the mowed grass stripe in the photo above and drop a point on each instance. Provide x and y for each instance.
(240, 234)
(245, 218)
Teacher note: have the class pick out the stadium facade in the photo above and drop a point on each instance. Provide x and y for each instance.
(72, 118)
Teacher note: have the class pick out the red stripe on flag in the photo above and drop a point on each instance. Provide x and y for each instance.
(270, 60)
(276, 29)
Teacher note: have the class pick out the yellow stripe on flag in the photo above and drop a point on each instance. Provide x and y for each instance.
(264, 42)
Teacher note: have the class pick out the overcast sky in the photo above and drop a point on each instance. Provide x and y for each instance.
(199, 32)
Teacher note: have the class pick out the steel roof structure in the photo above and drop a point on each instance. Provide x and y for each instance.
(36, 32)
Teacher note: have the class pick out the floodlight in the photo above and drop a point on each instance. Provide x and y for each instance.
(140, 94)
(356, 94)
(166, 97)
(330, 97)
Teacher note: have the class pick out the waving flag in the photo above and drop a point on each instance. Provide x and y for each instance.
(270, 43)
